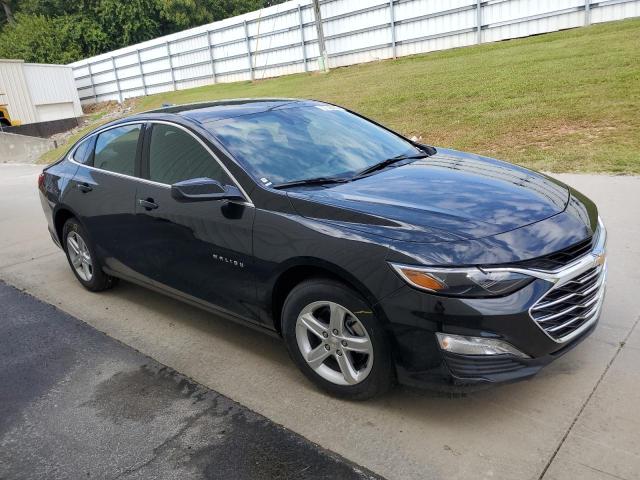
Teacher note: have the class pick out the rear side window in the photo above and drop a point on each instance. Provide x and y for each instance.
(116, 149)
(175, 155)
(82, 153)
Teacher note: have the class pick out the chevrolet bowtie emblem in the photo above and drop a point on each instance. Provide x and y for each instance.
(600, 259)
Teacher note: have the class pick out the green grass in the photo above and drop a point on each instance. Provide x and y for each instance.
(561, 102)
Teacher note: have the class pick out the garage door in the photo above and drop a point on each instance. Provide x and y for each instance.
(54, 111)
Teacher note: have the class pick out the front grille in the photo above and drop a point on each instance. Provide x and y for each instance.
(567, 307)
(560, 258)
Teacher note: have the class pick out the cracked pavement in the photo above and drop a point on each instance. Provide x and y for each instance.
(576, 419)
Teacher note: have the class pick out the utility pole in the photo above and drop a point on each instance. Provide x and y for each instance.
(324, 58)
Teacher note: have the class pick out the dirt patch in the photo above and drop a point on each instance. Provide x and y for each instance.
(142, 394)
(111, 108)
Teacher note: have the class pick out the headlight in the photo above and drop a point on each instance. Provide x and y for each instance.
(601, 236)
(463, 282)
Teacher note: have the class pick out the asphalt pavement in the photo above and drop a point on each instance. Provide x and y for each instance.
(75, 403)
(576, 419)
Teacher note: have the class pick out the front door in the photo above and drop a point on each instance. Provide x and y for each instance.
(202, 249)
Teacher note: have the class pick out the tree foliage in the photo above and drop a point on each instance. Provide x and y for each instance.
(62, 31)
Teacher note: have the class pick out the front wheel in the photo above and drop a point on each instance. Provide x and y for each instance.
(334, 337)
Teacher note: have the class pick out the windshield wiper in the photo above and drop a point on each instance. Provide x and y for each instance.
(385, 163)
(312, 181)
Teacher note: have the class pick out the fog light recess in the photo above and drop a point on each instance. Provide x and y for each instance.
(464, 345)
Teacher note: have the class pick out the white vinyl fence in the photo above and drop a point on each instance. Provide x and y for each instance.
(282, 40)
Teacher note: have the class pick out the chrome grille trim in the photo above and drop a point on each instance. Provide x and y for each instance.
(571, 295)
(590, 315)
(541, 305)
(582, 286)
(583, 280)
(593, 298)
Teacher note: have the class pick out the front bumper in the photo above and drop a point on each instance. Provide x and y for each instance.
(544, 320)
(465, 373)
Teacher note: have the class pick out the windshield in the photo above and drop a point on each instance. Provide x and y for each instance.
(309, 141)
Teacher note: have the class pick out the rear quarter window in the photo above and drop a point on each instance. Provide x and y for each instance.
(84, 151)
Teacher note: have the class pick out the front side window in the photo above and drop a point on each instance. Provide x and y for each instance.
(175, 155)
(116, 149)
(296, 142)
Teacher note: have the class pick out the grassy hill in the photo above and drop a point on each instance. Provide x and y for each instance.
(564, 101)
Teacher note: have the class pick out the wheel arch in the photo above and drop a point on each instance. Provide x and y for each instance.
(298, 270)
(60, 217)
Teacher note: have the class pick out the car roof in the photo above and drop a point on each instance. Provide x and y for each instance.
(205, 112)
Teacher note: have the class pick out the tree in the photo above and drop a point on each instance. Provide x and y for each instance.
(127, 22)
(63, 31)
(179, 15)
(36, 38)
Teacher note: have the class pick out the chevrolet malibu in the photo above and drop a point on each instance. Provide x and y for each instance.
(375, 258)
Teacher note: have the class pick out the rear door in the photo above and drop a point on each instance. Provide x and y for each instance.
(103, 193)
(202, 249)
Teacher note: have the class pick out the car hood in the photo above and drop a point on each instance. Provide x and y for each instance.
(448, 196)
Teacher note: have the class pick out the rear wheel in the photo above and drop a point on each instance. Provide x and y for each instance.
(334, 337)
(82, 258)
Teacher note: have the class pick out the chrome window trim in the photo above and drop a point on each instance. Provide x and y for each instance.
(247, 202)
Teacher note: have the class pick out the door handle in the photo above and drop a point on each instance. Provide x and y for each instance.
(84, 187)
(148, 204)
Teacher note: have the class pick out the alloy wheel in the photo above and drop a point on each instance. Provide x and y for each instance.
(334, 343)
(80, 256)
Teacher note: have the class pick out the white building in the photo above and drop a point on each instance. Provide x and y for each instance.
(37, 92)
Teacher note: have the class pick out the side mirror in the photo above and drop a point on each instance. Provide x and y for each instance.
(204, 189)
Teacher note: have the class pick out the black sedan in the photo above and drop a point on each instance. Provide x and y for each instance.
(376, 258)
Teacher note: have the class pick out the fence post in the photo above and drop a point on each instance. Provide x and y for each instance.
(211, 57)
(392, 18)
(246, 41)
(304, 49)
(324, 57)
(93, 87)
(587, 12)
(173, 76)
(115, 74)
(144, 84)
(479, 20)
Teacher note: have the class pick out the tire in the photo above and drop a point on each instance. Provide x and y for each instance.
(82, 258)
(308, 328)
